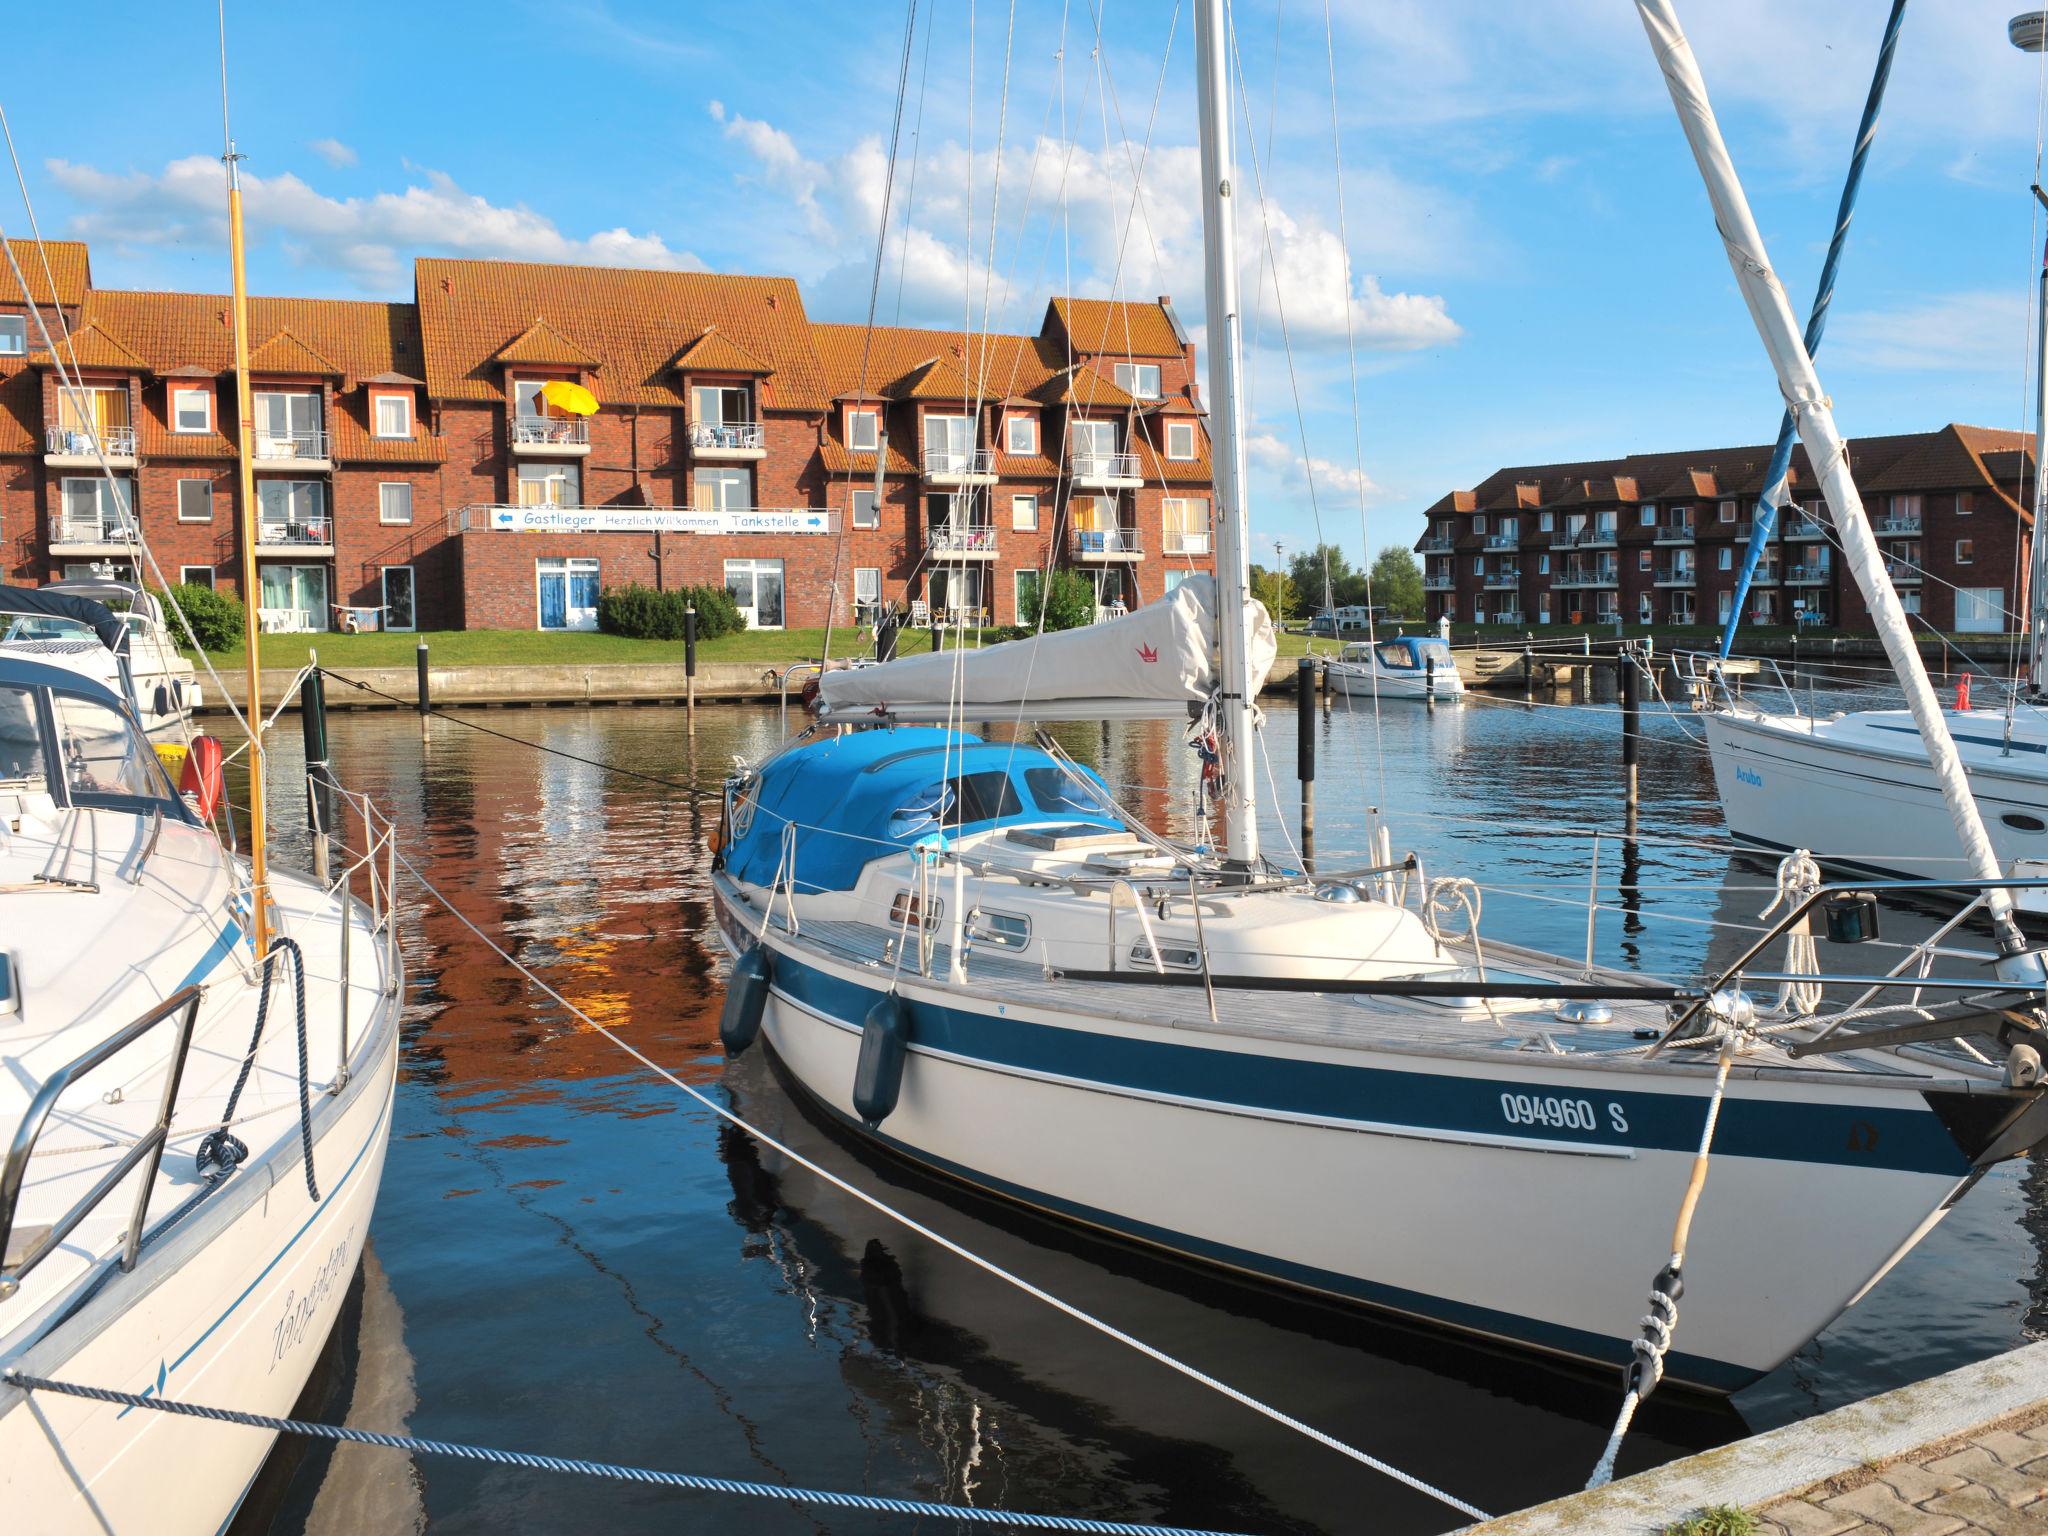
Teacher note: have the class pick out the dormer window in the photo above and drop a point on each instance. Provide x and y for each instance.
(1020, 435)
(722, 405)
(863, 431)
(191, 410)
(1138, 380)
(1180, 440)
(13, 335)
(394, 415)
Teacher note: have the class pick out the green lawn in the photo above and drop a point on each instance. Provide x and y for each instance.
(526, 647)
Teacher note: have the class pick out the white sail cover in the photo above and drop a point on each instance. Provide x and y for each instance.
(1152, 663)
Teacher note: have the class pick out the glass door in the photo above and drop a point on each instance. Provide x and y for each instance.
(294, 597)
(947, 442)
(567, 592)
(756, 588)
(398, 598)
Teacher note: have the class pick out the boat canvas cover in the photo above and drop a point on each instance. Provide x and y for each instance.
(1163, 655)
(63, 605)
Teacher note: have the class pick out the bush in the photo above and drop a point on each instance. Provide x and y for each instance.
(640, 612)
(1068, 601)
(216, 617)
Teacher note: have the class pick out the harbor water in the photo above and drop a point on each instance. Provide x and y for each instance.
(569, 1256)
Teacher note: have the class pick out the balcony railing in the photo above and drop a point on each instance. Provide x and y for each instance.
(1804, 528)
(1504, 541)
(1107, 541)
(1765, 576)
(959, 461)
(1188, 542)
(308, 444)
(551, 431)
(973, 539)
(94, 528)
(1437, 544)
(295, 530)
(1594, 576)
(1900, 570)
(1808, 575)
(1677, 575)
(728, 434)
(1437, 583)
(1900, 528)
(1585, 538)
(1103, 466)
(78, 442)
(1674, 533)
(1509, 616)
(1503, 578)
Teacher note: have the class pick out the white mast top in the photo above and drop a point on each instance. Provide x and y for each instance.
(1814, 413)
(1226, 427)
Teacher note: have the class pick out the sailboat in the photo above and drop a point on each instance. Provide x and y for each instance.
(966, 951)
(135, 657)
(198, 1051)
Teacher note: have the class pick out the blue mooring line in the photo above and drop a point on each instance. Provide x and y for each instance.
(647, 1475)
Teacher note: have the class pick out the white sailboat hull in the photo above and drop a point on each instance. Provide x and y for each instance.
(1858, 792)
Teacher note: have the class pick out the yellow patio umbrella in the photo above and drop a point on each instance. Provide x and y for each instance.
(573, 398)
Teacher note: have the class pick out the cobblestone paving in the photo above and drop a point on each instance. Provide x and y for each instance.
(1993, 1479)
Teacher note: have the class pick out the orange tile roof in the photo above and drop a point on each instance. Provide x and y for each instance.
(634, 322)
(285, 353)
(21, 410)
(858, 362)
(67, 265)
(90, 347)
(191, 333)
(716, 352)
(541, 345)
(1082, 385)
(839, 460)
(1115, 329)
(937, 380)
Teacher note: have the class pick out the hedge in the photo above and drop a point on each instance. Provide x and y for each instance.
(216, 617)
(640, 612)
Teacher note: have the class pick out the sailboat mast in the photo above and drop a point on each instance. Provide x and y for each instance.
(1226, 428)
(2037, 567)
(252, 592)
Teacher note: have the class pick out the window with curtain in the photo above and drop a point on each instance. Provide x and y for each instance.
(727, 488)
(549, 485)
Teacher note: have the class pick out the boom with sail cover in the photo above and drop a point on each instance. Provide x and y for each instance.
(1773, 497)
(1156, 663)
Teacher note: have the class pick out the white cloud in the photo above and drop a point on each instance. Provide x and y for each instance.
(334, 152)
(370, 239)
(1971, 332)
(1295, 472)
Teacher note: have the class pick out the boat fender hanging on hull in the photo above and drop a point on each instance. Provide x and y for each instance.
(746, 998)
(884, 1042)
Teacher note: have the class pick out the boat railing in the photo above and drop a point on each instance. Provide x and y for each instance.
(1706, 675)
(147, 1152)
(377, 861)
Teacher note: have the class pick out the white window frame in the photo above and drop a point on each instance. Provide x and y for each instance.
(1130, 379)
(384, 591)
(1024, 427)
(857, 500)
(724, 476)
(1725, 512)
(565, 566)
(1727, 557)
(1546, 522)
(1908, 507)
(1479, 522)
(13, 335)
(1966, 551)
(854, 420)
(1024, 512)
(384, 490)
(567, 474)
(1543, 608)
(1018, 577)
(1645, 560)
(1646, 517)
(1479, 565)
(187, 573)
(1966, 503)
(1184, 430)
(205, 481)
(717, 394)
(180, 394)
(377, 404)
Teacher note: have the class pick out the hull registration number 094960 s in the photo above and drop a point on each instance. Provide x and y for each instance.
(1562, 1114)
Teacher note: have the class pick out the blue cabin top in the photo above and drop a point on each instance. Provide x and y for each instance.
(1405, 653)
(871, 793)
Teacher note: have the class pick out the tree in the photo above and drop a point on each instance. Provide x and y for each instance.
(1273, 589)
(1069, 601)
(1397, 583)
(1307, 571)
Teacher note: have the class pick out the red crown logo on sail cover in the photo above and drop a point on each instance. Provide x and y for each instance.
(1147, 653)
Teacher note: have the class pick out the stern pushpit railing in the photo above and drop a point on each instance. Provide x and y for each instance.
(147, 1153)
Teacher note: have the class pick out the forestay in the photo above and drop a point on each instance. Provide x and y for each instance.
(1153, 663)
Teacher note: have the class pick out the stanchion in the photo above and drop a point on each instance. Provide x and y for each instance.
(1305, 755)
(690, 668)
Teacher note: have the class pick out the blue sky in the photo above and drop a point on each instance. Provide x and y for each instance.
(1530, 266)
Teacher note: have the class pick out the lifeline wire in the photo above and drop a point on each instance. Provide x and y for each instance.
(910, 1223)
(646, 1475)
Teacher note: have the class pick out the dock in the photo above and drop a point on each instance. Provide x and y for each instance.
(1954, 1455)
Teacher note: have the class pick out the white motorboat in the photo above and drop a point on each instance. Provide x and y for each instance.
(1406, 667)
(968, 952)
(77, 626)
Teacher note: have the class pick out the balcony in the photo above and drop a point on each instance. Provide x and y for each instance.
(92, 533)
(1104, 471)
(1902, 573)
(1503, 580)
(728, 441)
(1677, 574)
(1805, 528)
(1438, 544)
(974, 541)
(1107, 544)
(1764, 576)
(959, 466)
(302, 449)
(1437, 583)
(1900, 528)
(1673, 533)
(1809, 575)
(1504, 541)
(295, 535)
(1189, 542)
(1585, 538)
(1590, 576)
(552, 436)
(77, 448)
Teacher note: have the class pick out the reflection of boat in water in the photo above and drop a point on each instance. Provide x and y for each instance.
(1095, 1431)
(1407, 667)
(70, 624)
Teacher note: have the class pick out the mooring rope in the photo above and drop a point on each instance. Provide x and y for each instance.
(652, 1476)
(910, 1223)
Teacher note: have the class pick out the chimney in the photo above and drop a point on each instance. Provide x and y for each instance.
(775, 301)
(447, 285)
(1166, 301)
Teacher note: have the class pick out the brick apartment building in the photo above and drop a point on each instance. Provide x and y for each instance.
(410, 472)
(1659, 538)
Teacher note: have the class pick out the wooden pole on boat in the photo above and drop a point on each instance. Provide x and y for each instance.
(1305, 755)
(690, 667)
(259, 864)
(1631, 720)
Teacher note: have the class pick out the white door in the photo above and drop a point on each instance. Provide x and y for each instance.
(1980, 610)
(756, 588)
(567, 592)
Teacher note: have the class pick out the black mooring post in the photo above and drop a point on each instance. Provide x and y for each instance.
(690, 667)
(420, 665)
(319, 781)
(885, 636)
(1429, 682)
(1305, 754)
(1631, 721)
(1528, 667)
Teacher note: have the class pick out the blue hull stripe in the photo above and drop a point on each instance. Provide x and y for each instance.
(224, 942)
(1691, 1370)
(1900, 1140)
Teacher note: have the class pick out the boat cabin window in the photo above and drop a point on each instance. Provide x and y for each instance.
(21, 741)
(1394, 654)
(105, 759)
(1055, 791)
(961, 802)
(49, 626)
(1009, 930)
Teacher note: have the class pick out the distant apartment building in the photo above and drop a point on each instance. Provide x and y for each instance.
(1660, 538)
(412, 473)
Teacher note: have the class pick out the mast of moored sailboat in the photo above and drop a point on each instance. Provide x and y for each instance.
(1226, 430)
(252, 595)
